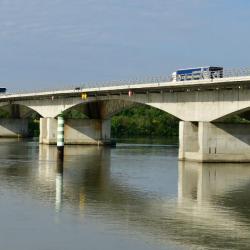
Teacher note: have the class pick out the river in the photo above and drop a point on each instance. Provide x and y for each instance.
(134, 196)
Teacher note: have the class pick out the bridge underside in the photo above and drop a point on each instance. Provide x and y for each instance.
(13, 128)
(90, 124)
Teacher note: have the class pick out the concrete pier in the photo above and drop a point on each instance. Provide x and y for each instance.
(12, 127)
(214, 142)
(76, 132)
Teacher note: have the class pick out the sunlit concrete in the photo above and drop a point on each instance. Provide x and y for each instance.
(81, 131)
(200, 100)
(214, 142)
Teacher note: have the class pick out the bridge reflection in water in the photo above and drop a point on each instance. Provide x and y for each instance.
(205, 208)
(211, 209)
(214, 198)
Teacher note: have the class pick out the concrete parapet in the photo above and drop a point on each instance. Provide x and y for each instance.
(76, 132)
(214, 142)
(13, 127)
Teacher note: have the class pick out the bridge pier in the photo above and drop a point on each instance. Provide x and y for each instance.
(76, 131)
(12, 127)
(214, 142)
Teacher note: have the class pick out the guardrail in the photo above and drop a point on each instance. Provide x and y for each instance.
(234, 72)
(80, 86)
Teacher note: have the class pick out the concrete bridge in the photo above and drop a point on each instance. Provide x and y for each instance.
(200, 105)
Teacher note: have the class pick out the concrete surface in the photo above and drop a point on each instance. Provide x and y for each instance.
(84, 132)
(217, 142)
(13, 127)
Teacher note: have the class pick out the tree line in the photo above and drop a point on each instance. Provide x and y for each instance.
(144, 121)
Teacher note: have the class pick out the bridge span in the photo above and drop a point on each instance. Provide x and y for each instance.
(200, 105)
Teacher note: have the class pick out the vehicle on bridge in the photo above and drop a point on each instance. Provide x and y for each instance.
(2, 90)
(208, 72)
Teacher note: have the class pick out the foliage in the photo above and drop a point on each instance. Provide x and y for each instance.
(235, 119)
(4, 114)
(144, 120)
(33, 127)
(73, 114)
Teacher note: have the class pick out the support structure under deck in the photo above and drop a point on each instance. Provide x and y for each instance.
(76, 131)
(214, 142)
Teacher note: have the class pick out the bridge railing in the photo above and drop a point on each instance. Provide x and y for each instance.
(236, 72)
(233, 72)
(87, 85)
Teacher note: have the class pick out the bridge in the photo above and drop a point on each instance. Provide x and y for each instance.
(200, 105)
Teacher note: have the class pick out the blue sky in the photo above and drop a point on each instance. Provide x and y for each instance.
(53, 43)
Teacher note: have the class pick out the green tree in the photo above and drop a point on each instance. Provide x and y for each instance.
(144, 121)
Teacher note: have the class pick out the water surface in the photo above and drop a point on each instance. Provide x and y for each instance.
(134, 196)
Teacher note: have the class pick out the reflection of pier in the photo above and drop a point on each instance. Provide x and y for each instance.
(202, 182)
(87, 179)
(97, 160)
(203, 193)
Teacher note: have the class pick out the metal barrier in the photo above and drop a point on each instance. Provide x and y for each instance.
(234, 72)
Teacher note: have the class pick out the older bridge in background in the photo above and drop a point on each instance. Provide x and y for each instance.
(200, 105)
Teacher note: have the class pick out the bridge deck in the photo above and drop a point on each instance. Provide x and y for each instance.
(229, 82)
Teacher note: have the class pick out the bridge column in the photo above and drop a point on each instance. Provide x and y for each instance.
(188, 139)
(48, 131)
(214, 142)
(76, 131)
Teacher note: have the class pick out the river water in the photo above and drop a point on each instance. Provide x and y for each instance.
(134, 196)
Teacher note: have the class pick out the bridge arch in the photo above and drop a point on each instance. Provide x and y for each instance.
(136, 122)
(51, 107)
(104, 109)
(13, 110)
(108, 106)
(241, 113)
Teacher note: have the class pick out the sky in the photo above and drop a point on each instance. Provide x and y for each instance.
(58, 43)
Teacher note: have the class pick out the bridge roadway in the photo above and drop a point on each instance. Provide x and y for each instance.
(200, 105)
